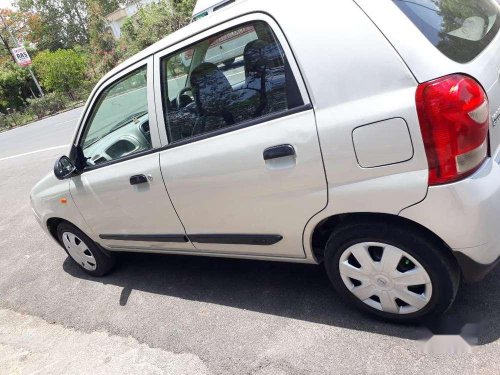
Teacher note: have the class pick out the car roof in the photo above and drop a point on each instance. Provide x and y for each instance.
(203, 5)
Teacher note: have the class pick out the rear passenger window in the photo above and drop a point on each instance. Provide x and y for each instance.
(236, 76)
(460, 29)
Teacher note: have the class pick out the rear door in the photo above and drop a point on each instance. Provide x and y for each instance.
(242, 160)
(440, 37)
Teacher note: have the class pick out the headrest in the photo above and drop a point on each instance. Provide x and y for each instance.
(211, 88)
(257, 55)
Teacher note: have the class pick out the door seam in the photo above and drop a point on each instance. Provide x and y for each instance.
(171, 202)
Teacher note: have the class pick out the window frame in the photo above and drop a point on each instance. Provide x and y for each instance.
(93, 101)
(226, 26)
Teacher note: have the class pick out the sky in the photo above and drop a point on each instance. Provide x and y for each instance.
(5, 3)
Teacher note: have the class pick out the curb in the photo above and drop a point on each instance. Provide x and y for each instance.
(80, 104)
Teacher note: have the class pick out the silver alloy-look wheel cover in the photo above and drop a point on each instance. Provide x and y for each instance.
(79, 251)
(380, 284)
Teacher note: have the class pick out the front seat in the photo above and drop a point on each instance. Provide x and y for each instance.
(265, 73)
(256, 64)
(213, 95)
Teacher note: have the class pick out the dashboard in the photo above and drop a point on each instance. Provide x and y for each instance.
(128, 139)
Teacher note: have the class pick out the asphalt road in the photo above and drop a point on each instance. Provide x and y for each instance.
(48, 133)
(211, 315)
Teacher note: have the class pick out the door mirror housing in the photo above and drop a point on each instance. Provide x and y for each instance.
(64, 168)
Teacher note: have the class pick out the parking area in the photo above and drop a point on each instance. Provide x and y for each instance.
(199, 315)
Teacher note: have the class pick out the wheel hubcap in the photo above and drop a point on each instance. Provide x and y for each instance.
(385, 277)
(79, 251)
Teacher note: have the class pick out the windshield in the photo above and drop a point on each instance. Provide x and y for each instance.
(460, 29)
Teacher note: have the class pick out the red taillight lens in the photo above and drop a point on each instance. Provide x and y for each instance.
(454, 118)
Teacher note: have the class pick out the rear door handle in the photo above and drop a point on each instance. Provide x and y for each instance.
(280, 151)
(138, 179)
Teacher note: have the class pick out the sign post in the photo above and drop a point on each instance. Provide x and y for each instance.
(23, 59)
(20, 55)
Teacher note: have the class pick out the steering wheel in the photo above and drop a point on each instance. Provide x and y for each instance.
(179, 95)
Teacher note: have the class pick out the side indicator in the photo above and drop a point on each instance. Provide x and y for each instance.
(63, 201)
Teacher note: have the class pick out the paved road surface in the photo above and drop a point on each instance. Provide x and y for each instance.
(191, 315)
(47, 133)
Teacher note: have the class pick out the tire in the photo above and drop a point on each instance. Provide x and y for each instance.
(84, 252)
(227, 63)
(424, 258)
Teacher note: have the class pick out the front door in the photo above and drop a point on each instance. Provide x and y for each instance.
(121, 193)
(243, 164)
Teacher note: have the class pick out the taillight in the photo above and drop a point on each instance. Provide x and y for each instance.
(454, 118)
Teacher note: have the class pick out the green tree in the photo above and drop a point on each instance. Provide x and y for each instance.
(153, 22)
(184, 10)
(102, 45)
(19, 23)
(64, 23)
(62, 71)
(14, 86)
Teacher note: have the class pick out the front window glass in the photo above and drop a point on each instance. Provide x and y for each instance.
(235, 76)
(119, 124)
(460, 29)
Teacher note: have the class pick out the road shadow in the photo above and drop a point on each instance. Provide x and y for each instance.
(295, 291)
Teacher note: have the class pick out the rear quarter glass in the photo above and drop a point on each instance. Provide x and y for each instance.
(460, 29)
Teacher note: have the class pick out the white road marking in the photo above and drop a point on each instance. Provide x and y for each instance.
(34, 152)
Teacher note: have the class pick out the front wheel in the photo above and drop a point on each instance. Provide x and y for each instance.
(392, 271)
(84, 252)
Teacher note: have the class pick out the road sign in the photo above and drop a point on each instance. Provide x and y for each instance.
(21, 56)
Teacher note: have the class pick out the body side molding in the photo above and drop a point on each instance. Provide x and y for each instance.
(237, 239)
(174, 238)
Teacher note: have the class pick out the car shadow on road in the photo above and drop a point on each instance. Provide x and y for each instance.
(295, 291)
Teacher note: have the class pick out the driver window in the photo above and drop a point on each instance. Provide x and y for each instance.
(119, 124)
(235, 76)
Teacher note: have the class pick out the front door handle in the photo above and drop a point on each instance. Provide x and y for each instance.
(280, 151)
(138, 179)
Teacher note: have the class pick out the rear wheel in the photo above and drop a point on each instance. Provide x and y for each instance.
(84, 252)
(392, 271)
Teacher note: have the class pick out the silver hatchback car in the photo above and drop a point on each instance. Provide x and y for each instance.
(363, 135)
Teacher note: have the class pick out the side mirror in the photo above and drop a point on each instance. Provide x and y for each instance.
(64, 168)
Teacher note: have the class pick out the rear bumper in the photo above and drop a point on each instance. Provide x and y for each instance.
(466, 215)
